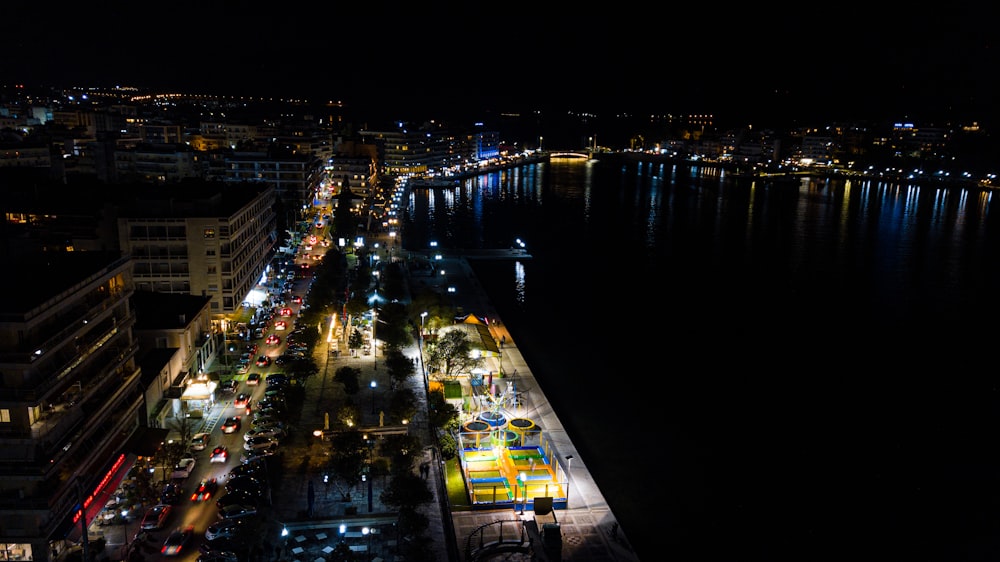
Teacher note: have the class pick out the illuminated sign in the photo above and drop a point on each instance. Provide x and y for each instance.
(100, 486)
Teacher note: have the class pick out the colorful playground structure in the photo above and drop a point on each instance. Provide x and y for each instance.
(508, 462)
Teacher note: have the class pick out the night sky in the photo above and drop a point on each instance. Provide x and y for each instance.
(740, 63)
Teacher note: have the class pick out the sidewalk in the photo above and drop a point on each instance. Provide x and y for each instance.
(588, 528)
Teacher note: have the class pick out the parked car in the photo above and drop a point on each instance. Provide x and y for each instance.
(177, 540)
(225, 529)
(256, 469)
(211, 555)
(269, 419)
(155, 517)
(264, 442)
(256, 455)
(183, 469)
(247, 482)
(237, 511)
(286, 358)
(238, 497)
(271, 431)
(277, 379)
(200, 441)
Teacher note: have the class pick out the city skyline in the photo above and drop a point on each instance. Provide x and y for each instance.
(739, 64)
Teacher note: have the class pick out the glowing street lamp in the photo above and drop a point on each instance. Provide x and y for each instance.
(374, 302)
(373, 385)
(125, 532)
(423, 371)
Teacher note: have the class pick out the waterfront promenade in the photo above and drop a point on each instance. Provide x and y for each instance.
(588, 528)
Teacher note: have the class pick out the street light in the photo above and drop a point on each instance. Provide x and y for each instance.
(371, 461)
(423, 371)
(374, 302)
(125, 532)
(373, 385)
(368, 533)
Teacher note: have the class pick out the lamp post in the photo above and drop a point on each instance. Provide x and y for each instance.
(373, 385)
(374, 302)
(423, 371)
(371, 460)
(569, 466)
(125, 532)
(368, 533)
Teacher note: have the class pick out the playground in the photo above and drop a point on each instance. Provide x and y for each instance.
(507, 462)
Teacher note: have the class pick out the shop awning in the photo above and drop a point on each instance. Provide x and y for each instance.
(103, 487)
(201, 390)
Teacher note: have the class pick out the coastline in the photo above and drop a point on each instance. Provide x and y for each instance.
(589, 529)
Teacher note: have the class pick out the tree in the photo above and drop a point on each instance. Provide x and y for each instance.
(349, 377)
(441, 414)
(406, 490)
(401, 450)
(402, 405)
(394, 325)
(399, 365)
(440, 311)
(348, 414)
(451, 354)
(302, 368)
(348, 459)
(355, 341)
(172, 453)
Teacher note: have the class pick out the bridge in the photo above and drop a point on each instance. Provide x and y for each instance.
(582, 154)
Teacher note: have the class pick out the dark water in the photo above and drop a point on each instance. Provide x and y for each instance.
(753, 371)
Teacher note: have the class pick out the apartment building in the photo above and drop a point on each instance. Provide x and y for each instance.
(295, 177)
(201, 238)
(69, 396)
(177, 343)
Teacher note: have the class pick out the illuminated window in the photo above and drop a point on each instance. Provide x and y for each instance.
(4, 415)
(209, 233)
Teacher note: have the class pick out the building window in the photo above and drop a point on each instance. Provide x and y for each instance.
(210, 252)
(209, 233)
(4, 415)
(212, 270)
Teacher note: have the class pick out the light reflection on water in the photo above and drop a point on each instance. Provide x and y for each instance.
(768, 336)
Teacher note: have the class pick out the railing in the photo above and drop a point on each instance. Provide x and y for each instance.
(496, 537)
